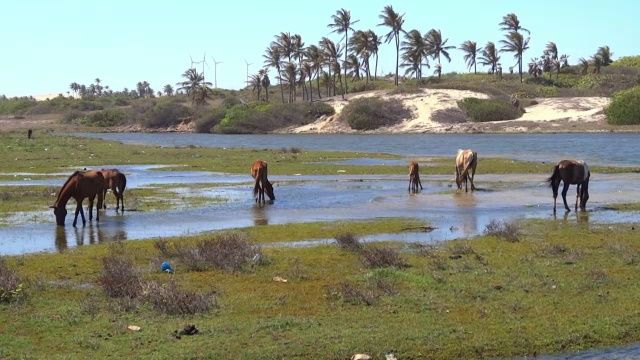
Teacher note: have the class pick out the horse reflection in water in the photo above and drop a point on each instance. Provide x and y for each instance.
(467, 212)
(571, 172)
(86, 235)
(259, 215)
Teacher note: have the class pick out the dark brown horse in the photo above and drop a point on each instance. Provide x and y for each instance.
(414, 177)
(116, 181)
(571, 172)
(466, 163)
(261, 184)
(79, 185)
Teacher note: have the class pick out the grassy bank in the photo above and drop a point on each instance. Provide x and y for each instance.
(561, 286)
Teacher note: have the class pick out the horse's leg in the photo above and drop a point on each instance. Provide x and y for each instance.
(466, 181)
(419, 183)
(565, 188)
(584, 195)
(473, 173)
(80, 211)
(578, 191)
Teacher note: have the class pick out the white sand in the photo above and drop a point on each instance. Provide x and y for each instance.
(577, 109)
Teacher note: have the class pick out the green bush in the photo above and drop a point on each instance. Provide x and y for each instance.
(372, 113)
(86, 105)
(16, 106)
(481, 110)
(260, 117)
(208, 120)
(166, 115)
(71, 116)
(104, 118)
(633, 61)
(121, 101)
(624, 109)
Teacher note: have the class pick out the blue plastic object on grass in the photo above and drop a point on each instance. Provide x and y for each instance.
(166, 267)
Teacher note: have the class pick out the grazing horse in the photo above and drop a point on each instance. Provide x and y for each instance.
(571, 172)
(262, 184)
(466, 162)
(79, 185)
(414, 177)
(116, 181)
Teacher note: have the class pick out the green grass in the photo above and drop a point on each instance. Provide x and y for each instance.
(477, 298)
(623, 207)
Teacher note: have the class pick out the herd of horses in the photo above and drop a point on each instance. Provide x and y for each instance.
(92, 183)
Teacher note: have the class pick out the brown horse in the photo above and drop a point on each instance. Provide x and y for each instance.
(261, 184)
(116, 181)
(466, 162)
(414, 177)
(571, 172)
(79, 185)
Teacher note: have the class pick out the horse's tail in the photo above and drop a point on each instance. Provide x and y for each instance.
(470, 161)
(554, 180)
(122, 182)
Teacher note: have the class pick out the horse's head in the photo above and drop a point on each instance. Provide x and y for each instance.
(268, 188)
(60, 213)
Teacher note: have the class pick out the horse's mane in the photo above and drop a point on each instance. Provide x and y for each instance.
(65, 184)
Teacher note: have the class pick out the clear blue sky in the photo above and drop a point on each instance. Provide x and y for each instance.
(47, 45)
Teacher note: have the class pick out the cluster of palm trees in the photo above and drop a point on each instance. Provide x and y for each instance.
(195, 86)
(332, 63)
(143, 89)
(601, 58)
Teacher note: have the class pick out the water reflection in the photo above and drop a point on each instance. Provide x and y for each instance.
(91, 234)
(466, 204)
(259, 215)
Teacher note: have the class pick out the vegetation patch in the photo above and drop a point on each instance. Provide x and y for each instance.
(483, 110)
(104, 118)
(11, 285)
(623, 207)
(632, 61)
(624, 109)
(372, 113)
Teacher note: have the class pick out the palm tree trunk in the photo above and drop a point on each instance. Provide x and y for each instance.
(344, 89)
(281, 88)
(310, 87)
(520, 66)
(475, 70)
(318, 83)
(397, 55)
(375, 74)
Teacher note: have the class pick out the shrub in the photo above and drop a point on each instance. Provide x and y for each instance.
(205, 122)
(349, 241)
(624, 109)
(231, 102)
(166, 115)
(228, 252)
(16, 106)
(449, 116)
(508, 231)
(260, 117)
(170, 299)
(374, 256)
(109, 117)
(120, 277)
(633, 61)
(121, 101)
(11, 286)
(352, 294)
(372, 113)
(70, 116)
(406, 89)
(481, 110)
(86, 105)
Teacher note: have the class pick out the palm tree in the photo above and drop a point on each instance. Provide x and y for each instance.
(375, 46)
(552, 50)
(490, 56)
(265, 83)
(437, 70)
(471, 50)
(331, 55)
(605, 54)
(98, 87)
(597, 62)
(168, 90)
(191, 84)
(362, 45)
(256, 82)
(584, 66)
(510, 22)
(535, 68)
(342, 24)
(314, 56)
(394, 21)
(516, 44)
(201, 94)
(437, 47)
(273, 58)
(414, 51)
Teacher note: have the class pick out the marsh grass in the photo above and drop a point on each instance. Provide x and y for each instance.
(11, 285)
(451, 292)
(505, 230)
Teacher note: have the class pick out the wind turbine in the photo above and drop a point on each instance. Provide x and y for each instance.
(204, 61)
(245, 61)
(215, 72)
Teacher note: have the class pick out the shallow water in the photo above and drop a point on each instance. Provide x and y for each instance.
(620, 149)
(318, 198)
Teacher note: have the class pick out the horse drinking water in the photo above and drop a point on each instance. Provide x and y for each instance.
(261, 184)
(466, 161)
(414, 177)
(116, 181)
(79, 185)
(571, 172)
